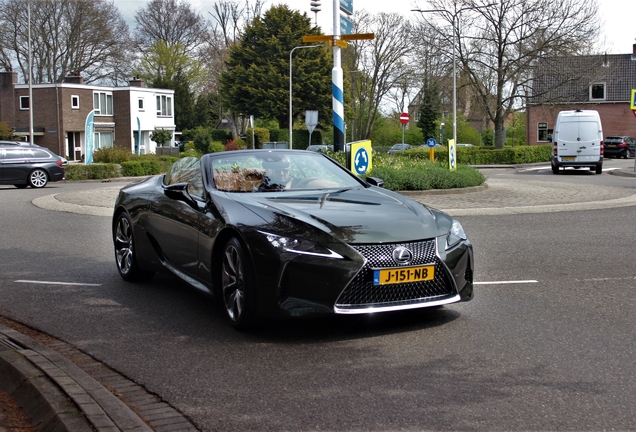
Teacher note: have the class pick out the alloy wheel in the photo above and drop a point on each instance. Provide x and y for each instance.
(232, 282)
(38, 178)
(124, 245)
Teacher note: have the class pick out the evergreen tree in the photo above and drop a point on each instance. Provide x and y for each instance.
(430, 110)
(257, 78)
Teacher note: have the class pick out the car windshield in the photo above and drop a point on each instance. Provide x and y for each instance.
(276, 170)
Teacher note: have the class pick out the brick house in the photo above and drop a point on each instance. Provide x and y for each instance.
(124, 116)
(596, 82)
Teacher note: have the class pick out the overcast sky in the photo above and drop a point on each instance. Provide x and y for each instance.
(618, 16)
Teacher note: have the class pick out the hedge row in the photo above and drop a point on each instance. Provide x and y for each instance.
(488, 155)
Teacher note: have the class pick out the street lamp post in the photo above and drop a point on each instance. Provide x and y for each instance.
(453, 18)
(290, 91)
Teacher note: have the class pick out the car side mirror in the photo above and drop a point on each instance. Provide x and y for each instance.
(179, 191)
(374, 181)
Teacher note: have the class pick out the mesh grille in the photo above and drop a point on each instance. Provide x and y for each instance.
(362, 293)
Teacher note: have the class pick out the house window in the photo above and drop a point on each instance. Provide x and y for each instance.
(140, 104)
(103, 140)
(416, 117)
(103, 103)
(542, 131)
(597, 91)
(24, 103)
(75, 102)
(164, 106)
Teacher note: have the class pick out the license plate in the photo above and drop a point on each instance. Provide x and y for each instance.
(569, 158)
(403, 275)
(612, 145)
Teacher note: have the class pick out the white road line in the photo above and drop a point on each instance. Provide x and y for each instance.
(505, 282)
(56, 283)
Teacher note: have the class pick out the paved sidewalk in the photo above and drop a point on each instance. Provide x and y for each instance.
(54, 390)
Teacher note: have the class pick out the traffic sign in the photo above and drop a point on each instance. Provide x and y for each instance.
(431, 142)
(404, 118)
(346, 26)
(346, 6)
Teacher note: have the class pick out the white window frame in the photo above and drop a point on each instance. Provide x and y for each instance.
(596, 84)
(22, 104)
(164, 106)
(103, 98)
(75, 101)
(98, 139)
(542, 126)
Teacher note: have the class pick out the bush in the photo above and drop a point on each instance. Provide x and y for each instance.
(202, 139)
(96, 171)
(141, 168)
(215, 147)
(488, 155)
(112, 155)
(427, 175)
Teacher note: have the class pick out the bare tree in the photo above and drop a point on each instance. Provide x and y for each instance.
(88, 36)
(497, 44)
(384, 61)
(171, 21)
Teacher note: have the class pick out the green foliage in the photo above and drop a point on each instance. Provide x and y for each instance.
(6, 133)
(430, 111)
(164, 61)
(427, 175)
(220, 135)
(215, 147)
(96, 171)
(487, 155)
(112, 155)
(140, 168)
(256, 81)
(161, 136)
(202, 138)
(261, 135)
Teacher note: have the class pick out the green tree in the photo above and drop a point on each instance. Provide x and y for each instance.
(6, 133)
(161, 136)
(430, 110)
(256, 81)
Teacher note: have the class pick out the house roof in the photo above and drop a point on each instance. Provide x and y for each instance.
(568, 79)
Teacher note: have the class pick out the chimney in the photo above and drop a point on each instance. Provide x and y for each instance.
(136, 82)
(74, 78)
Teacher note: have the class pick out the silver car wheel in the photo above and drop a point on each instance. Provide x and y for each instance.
(233, 282)
(38, 178)
(124, 245)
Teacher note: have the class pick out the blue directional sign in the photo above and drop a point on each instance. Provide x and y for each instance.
(452, 155)
(346, 6)
(361, 161)
(360, 158)
(431, 142)
(346, 26)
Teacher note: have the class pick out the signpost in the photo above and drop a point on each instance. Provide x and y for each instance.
(404, 119)
(431, 143)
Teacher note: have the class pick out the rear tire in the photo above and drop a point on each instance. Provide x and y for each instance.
(627, 154)
(237, 286)
(125, 258)
(599, 169)
(555, 169)
(38, 178)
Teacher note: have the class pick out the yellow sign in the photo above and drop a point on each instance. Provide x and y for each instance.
(360, 159)
(329, 39)
(632, 101)
(452, 155)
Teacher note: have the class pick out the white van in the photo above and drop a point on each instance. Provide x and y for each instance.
(577, 141)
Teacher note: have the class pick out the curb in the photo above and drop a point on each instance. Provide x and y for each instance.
(55, 393)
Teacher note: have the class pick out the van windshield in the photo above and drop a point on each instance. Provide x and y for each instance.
(586, 131)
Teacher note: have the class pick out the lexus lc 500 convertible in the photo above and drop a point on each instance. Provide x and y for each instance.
(289, 233)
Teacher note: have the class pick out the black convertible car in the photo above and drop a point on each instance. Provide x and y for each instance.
(290, 233)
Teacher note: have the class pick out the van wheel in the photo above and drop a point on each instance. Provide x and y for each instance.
(599, 169)
(555, 169)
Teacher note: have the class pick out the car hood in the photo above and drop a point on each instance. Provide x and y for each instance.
(354, 215)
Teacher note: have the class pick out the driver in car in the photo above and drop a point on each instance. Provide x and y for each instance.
(277, 175)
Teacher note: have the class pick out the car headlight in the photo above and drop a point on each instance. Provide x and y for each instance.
(299, 246)
(455, 235)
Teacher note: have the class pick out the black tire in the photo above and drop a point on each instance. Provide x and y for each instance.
(21, 186)
(123, 241)
(555, 169)
(599, 169)
(38, 178)
(627, 154)
(237, 286)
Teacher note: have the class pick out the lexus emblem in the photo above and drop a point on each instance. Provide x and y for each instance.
(402, 255)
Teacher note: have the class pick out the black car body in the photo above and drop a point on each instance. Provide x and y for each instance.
(331, 243)
(619, 146)
(33, 166)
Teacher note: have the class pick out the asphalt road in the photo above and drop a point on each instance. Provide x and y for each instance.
(547, 343)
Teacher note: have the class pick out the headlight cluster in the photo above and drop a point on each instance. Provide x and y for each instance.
(455, 235)
(298, 246)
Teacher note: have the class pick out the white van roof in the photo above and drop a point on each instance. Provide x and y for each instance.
(577, 114)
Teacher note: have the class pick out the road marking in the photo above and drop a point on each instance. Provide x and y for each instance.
(505, 282)
(56, 283)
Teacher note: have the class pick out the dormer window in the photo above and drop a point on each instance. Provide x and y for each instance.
(597, 91)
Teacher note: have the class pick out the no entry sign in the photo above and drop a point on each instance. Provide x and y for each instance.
(404, 118)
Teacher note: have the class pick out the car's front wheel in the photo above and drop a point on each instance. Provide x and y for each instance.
(237, 285)
(21, 186)
(123, 239)
(38, 178)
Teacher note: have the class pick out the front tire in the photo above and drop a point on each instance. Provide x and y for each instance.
(237, 285)
(38, 178)
(21, 186)
(123, 239)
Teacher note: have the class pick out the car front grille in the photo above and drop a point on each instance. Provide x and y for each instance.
(361, 293)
